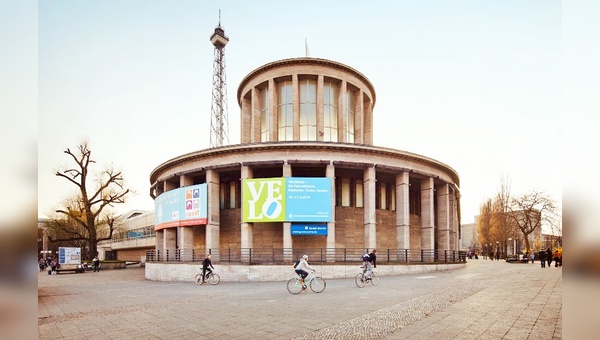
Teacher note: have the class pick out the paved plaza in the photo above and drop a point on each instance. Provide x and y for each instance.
(484, 300)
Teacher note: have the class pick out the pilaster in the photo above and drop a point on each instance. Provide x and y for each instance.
(369, 219)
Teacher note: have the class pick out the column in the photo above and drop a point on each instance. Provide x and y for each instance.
(427, 209)
(169, 243)
(287, 226)
(359, 119)
(443, 216)
(213, 213)
(367, 135)
(159, 239)
(256, 119)
(369, 198)
(454, 221)
(402, 214)
(342, 114)
(185, 235)
(330, 242)
(273, 124)
(246, 228)
(296, 106)
(320, 100)
(246, 121)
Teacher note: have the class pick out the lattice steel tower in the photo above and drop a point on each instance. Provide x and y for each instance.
(219, 127)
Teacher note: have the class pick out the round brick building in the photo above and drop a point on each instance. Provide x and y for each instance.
(310, 119)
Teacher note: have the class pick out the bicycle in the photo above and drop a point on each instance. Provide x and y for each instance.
(361, 280)
(316, 283)
(211, 277)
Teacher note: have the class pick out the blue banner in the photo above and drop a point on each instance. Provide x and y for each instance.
(308, 199)
(181, 207)
(309, 229)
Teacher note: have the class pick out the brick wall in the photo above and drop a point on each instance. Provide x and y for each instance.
(349, 231)
(230, 233)
(132, 254)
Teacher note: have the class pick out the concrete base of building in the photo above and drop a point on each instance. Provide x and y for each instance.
(161, 271)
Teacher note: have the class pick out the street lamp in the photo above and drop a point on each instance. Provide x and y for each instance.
(497, 250)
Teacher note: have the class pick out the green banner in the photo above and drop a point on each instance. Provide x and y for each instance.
(264, 199)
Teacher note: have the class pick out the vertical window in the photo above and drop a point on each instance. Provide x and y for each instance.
(330, 112)
(393, 197)
(308, 110)
(222, 195)
(229, 195)
(381, 195)
(345, 192)
(350, 109)
(264, 115)
(359, 194)
(232, 195)
(285, 112)
(414, 202)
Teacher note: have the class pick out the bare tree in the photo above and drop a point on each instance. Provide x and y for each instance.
(86, 216)
(530, 211)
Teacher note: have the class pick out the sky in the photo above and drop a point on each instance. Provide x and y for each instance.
(475, 85)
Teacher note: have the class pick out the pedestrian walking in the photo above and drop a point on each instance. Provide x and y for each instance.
(549, 257)
(542, 256)
(532, 256)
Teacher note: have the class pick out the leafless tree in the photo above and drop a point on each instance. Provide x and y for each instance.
(530, 211)
(86, 216)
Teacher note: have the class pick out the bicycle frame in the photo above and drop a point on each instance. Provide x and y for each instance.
(307, 280)
(317, 284)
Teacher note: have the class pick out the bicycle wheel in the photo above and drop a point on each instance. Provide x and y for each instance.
(294, 286)
(198, 279)
(317, 284)
(374, 279)
(359, 280)
(214, 279)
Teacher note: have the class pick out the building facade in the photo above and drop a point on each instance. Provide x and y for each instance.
(312, 118)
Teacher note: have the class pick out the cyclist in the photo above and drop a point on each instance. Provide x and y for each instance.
(206, 265)
(369, 262)
(303, 267)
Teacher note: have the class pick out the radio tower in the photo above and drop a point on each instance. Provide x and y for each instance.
(219, 129)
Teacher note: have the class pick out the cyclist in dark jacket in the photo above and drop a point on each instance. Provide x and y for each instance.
(206, 267)
(373, 258)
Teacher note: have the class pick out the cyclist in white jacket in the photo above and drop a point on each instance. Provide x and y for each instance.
(303, 267)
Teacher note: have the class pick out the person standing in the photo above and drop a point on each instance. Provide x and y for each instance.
(53, 266)
(542, 256)
(96, 263)
(206, 267)
(549, 257)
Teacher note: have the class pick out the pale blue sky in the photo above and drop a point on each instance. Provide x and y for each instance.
(474, 84)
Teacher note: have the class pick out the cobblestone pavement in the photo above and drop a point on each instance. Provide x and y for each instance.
(484, 300)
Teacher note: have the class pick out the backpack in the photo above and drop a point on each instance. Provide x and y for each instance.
(296, 263)
(366, 257)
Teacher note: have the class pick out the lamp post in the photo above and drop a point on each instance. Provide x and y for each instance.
(497, 250)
